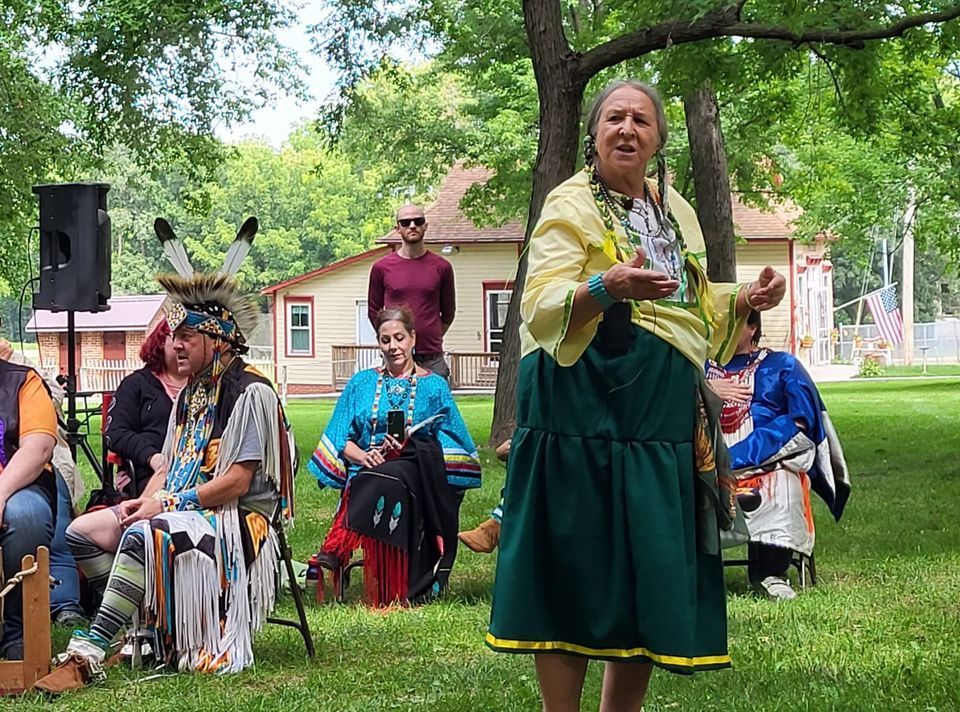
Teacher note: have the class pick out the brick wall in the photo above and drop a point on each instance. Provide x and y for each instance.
(91, 345)
(49, 345)
(135, 340)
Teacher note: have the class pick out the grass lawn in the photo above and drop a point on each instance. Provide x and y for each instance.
(880, 632)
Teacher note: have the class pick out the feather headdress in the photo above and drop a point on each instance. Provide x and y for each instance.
(213, 304)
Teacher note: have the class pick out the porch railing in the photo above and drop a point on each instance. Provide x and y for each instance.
(468, 369)
(104, 375)
(473, 369)
(347, 360)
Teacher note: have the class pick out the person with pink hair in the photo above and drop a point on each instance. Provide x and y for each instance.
(140, 408)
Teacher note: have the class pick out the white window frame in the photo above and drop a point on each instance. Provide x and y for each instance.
(487, 294)
(291, 328)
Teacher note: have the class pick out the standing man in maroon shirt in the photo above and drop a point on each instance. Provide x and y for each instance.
(420, 280)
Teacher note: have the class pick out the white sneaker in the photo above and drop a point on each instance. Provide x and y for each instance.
(777, 588)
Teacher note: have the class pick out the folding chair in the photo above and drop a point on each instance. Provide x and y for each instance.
(801, 562)
(339, 575)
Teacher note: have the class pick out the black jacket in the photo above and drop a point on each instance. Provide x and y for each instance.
(137, 422)
(406, 502)
(12, 378)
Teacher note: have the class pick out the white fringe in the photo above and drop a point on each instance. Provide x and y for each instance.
(246, 604)
(196, 595)
(150, 582)
(249, 596)
(263, 582)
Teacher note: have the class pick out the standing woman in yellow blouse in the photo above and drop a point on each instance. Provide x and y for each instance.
(610, 541)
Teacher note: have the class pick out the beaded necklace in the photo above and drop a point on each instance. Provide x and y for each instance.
(379, 392)
(195, 420)
(611, 208)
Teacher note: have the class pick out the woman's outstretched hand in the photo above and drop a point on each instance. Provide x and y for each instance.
(767, 291)
(631, 280)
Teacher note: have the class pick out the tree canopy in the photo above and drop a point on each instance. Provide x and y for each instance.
(312, 206)
(572, 44)
(154, 76)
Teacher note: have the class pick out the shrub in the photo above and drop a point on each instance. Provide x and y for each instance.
(870, 368)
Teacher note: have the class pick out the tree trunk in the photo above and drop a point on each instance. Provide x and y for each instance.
(711, 182)
(561, 97)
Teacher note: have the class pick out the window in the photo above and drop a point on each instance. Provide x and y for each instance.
(498, 300)
(299, 329)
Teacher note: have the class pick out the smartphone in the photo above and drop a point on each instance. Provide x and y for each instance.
(396, 424)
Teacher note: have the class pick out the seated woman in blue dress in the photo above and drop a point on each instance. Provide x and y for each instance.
(782, 445)
(398, 448)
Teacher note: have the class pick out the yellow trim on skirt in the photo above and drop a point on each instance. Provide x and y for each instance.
(556, 645)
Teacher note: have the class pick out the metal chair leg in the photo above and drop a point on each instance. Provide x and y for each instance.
(805, 566)
(302, 626)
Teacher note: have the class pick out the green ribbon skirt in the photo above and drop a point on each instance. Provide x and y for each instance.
(599, 550)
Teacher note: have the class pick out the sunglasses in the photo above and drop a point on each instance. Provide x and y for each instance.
(410, 222)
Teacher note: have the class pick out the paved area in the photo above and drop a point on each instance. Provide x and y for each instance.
(832, 372)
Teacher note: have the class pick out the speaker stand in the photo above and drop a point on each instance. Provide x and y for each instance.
(76, 438)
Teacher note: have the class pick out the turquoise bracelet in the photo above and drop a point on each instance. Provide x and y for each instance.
(599, 292)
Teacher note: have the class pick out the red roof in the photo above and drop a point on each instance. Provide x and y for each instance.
(274, 288)
(448, 225)
(753, 223)
(128, 313)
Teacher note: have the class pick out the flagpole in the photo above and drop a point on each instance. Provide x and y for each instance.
(863, 283)
(907, 266)
(886, 264)
(864, 297)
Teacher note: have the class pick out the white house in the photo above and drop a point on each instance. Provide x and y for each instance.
(321, 334)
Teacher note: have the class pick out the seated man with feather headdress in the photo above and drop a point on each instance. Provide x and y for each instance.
(197, 552)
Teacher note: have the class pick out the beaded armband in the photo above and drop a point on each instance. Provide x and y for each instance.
(599, 292)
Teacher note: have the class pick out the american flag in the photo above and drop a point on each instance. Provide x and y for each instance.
(886, 314)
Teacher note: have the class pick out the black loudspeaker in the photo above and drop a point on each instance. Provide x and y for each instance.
(74, 247)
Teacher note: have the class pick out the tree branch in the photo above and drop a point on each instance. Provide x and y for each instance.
(637, 44)
(575, 19)
(725, 22)
(833, 76)
(855, 39)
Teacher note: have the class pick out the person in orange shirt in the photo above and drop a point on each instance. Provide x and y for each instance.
(28, 490)
(65, 606)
